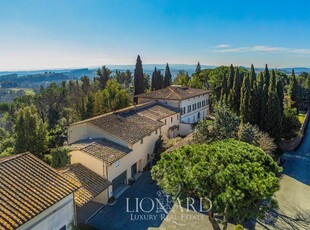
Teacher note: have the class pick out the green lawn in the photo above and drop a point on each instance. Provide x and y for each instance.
(26, 90)
(29, 92)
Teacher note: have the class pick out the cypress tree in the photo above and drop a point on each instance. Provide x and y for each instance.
(245, 104)
(258, 91)
(252, 75)
(160, 79)
(294, 90)
(168, 77)
(254, 103)
(272, 83)
(224, 91)
(273, 123)
(263, 107)
(280, 92)
(138, 78)
(198, 69)
(236, 92)
(157, 80)
(231, 77)
(154, 80)
(266, 76)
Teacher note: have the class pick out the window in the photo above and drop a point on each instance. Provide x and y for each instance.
(141, 141)
(207, 102)
(177, 117)
(203, 103)
(148, 157)
(188, 120)
(194, 106)
(165, 121)
(189, 108)
(171, 119)
(183, 110)
(194, 118)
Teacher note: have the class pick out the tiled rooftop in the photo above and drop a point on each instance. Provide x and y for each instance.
(91, 184)
(157, 111)
(28, 186)
(103, 149)
(177, 93)
(133, 123)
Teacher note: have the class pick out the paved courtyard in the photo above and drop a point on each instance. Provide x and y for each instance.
(117, 217)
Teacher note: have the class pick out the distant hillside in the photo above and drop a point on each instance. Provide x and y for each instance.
(33, 79)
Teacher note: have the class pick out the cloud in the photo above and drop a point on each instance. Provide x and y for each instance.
(260, 49)
(222, 46)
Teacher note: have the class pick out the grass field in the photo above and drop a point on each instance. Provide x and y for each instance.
(26, 90)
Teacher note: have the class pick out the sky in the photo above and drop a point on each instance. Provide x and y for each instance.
(46, 34)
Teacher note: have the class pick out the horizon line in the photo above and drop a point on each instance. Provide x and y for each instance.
(95, 67)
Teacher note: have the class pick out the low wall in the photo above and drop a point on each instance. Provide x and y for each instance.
(185, 129)
(290, 145)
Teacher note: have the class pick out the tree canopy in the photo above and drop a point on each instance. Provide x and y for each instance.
(237, 177)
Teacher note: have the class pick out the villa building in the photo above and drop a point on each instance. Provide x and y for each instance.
(33, 195)
(193, 103)
(119, 145)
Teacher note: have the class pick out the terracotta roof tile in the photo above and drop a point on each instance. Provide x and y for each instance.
(103, 149)
(157, 111)
(28, 186)
(133, 123)
(177, 93)
(90, 183)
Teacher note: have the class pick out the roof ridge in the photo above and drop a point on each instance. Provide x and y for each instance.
(12, 157)
(170, 87)
(87, 145)
(114, 112)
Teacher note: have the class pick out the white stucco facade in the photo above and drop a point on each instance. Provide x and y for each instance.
(59, 216)
(141, 155)
(194, 109)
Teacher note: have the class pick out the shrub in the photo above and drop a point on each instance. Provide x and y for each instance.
(59, 157)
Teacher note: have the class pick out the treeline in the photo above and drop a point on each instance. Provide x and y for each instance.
(38, 123)
(269, 100)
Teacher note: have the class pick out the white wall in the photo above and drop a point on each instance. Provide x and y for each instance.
(88, 161)
(140, 152)
(175, 121)
(192, 117)
(85, 130)
(55, 217)
(185, 129)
